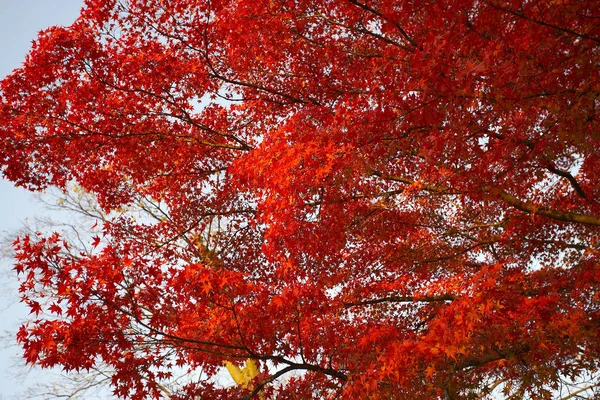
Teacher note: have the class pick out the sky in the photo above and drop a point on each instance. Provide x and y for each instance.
(20, 22)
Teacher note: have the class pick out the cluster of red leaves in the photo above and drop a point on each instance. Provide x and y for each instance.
(397, 199)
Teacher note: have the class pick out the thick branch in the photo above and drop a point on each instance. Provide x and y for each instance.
(294, 367)
(546, 212)
(569, 177)
(506, 197)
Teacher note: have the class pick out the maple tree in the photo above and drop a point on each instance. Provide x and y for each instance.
(367, 198)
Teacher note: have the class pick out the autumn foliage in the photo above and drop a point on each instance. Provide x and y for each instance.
(369, 198)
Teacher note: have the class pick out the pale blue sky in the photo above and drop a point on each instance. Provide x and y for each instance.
(20, 21)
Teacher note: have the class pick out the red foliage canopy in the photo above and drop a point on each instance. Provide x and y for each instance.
(394, 199)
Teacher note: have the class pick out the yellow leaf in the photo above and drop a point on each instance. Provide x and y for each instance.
(251, 369)
(235, 373)
(245, 375)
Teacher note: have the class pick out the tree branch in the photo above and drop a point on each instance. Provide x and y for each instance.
(423, 186)
(569, 177)
(396, 24)
(403, 299)
(294, 367)
(540, 22)
(546, 212)
(507, 198)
